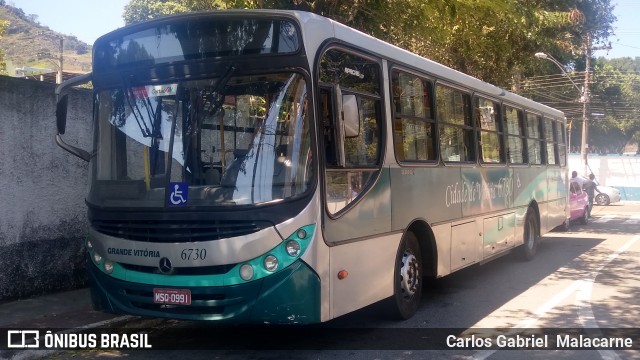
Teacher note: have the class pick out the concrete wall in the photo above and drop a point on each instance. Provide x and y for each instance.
(42, 212)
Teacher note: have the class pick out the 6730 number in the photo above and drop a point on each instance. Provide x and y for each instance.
(193, 254)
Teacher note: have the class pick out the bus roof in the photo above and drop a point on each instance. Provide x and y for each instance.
(402, 56)
(325, 28)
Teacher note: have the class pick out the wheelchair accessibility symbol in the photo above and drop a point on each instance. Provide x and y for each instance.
(178, 193)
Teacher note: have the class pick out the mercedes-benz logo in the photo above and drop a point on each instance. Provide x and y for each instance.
(165, 266)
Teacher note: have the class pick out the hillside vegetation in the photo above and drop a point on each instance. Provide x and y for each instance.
(26, 43)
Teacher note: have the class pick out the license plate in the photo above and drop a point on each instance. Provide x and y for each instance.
(172, 296)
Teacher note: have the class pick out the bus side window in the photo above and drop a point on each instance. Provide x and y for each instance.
(488, 130)
(513, 119)
(413, 123)
(456, 127)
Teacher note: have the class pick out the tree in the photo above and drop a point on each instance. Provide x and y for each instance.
(493, 40)
(616, 95)
(3, 65)
(141, 10)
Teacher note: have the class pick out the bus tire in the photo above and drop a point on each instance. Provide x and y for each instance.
(531, 236)
(407, 278)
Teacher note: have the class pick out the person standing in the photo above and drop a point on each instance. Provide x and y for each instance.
(579, 179)
(590, 187)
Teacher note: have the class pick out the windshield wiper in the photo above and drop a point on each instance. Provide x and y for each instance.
(137, 113)
(217, 99)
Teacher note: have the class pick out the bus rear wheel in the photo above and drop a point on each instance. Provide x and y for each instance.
(407, 279)
(531, 236)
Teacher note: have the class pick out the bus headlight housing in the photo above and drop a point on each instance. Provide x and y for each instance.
(270, 263)
(246, 272)
(108, 267)
(97, 258)
(280, 257)
(293, 248)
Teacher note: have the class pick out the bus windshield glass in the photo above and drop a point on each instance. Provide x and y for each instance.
(237, 140)
(195, 40)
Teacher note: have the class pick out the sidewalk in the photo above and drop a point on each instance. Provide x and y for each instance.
(63, 310)
(59, 312)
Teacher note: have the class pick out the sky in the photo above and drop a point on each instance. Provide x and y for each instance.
(89, 19)
(86, 19)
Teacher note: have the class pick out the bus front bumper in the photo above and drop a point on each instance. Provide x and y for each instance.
(289, 296)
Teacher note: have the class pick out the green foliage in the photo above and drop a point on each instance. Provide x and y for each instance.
(493, 40)
(616, 94)
(3, 64)
(490, 39)
(141, 10)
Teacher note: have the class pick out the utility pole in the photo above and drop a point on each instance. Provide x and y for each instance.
(585, 107)
(57, 61)
(584, 145)
(59, 76)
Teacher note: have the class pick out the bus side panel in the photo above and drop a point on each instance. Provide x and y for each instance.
(487, 189)
(431, 193)
(466, 240)
(370, 266)
(547, 188)
(557, 206)
(442, 233)
(369, 216)
(498, 234)
(434, 194)
(530, 186)
(355, 245)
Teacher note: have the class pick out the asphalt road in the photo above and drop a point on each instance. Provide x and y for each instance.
(587, 277)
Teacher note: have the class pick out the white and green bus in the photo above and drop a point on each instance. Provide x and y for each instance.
(279, 167)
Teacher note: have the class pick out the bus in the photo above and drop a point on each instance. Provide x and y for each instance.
(265, 166)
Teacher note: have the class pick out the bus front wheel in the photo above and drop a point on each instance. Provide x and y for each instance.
(407, 279)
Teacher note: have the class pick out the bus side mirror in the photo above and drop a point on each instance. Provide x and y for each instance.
(347, 121)
(351, 116)
(338, 126)
(61, 114)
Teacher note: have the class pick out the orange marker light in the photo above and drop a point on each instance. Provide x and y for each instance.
(342, 274)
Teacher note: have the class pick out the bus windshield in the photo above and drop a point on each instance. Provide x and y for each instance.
(237, 140)
(195, 39)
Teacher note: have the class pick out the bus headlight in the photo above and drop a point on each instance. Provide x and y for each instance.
(108, 267)
(293, 248)
(97, 257)
(270, 263)
(302, 234)
(246, 272)
(89, 245)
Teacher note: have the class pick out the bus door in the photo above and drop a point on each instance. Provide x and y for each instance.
(357, 203)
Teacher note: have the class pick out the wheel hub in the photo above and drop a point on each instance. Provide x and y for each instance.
(410, 273)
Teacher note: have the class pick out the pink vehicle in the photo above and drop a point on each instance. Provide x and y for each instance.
(578, 203)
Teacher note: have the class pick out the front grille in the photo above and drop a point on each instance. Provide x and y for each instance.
(201, 270)
(161, 231)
